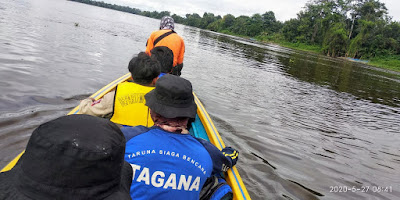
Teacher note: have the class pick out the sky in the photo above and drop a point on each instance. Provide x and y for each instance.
(283, 9)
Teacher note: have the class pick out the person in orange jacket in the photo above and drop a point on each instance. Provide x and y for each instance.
(166, 36)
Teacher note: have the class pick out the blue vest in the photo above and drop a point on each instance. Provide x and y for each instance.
(166, 165)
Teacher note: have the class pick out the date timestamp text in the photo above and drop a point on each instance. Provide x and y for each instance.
(375, 189)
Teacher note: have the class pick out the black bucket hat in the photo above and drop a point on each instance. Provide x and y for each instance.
(72, 157)
(172, 97)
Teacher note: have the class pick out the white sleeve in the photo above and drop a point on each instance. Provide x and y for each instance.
(100, 108)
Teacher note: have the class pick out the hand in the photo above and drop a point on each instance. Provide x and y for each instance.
(231, 153)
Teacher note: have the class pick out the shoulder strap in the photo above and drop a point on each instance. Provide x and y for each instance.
(163, 36)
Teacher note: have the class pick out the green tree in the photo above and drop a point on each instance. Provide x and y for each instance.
(391, 35)
(290, 30)
(335, 42)
(240, 25)
(178, 19)
(369, 21)
(163, 13)
(228, 21)
(193, 20)
(270, 24)
(215, 26)
(255, 25)
(207, 19)
(146, 13)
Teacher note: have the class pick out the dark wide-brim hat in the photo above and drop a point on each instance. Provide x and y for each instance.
(172, 97)
(72, 157)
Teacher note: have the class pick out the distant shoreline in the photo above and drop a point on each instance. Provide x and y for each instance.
(266, 28)
(391, 63)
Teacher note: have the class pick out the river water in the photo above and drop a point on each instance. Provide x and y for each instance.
(307, 126)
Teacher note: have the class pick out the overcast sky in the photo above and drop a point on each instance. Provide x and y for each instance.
(283, 9)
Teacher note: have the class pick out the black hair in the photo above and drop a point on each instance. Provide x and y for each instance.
(144, 69)
(165, 56)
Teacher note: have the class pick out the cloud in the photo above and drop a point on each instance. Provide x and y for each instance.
(393, 7)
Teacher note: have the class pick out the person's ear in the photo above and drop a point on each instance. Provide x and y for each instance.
(154, 81)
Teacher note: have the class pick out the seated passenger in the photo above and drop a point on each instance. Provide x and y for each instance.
(167, 162)
(76, 157)
(126, 105)
(166, 36)
(165, 56)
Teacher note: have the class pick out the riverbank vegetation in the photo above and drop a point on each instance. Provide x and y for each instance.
(358, 29)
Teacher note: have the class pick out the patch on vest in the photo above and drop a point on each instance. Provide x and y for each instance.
(158, 179)
(129, 99)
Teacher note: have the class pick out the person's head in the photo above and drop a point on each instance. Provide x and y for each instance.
(72, 157)
(144, 69)
(165, 56)
(172, 101)
(167, 22)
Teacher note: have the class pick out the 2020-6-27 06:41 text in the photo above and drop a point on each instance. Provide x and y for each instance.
(344, 189)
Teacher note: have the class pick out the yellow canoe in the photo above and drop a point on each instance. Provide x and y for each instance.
(202, 127)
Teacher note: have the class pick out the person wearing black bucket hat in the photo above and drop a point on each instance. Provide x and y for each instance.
(167, 162)
(75, 157)
(172, 98)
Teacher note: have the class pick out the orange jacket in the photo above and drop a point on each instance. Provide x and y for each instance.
(173, 41)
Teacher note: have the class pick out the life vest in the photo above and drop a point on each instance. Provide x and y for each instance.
(172, 41)
(129, 105)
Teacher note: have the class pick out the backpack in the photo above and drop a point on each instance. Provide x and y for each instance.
(216, 188)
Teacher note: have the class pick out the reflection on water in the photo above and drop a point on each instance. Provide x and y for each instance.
(302, 122)
(364, 83)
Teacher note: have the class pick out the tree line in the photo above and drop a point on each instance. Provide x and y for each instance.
(352, 28)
